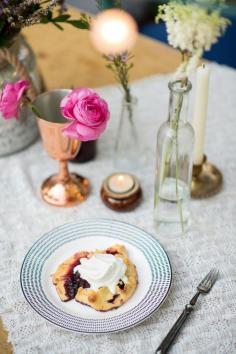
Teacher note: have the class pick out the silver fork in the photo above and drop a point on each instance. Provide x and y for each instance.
(203, 288)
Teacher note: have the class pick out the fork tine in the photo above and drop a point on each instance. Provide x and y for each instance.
(207, 277)
(214, 276)
(210, 278)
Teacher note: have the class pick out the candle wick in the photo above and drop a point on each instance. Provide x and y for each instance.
(203, 65)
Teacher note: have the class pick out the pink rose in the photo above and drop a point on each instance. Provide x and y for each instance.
(10, 98)
(88, 113)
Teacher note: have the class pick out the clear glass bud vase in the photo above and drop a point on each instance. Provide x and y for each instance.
(175, 141)
(127, 148)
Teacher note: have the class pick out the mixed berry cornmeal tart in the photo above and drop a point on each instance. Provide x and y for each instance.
(103, 279)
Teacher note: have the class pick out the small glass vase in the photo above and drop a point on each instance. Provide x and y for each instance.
(15, 134)
(175, 141)
(127, 155)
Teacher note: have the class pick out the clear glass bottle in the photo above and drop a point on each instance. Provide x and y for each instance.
(173, 175)
(127, 155)
(15, 134)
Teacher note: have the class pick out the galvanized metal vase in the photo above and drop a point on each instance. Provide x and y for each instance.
(16, 135)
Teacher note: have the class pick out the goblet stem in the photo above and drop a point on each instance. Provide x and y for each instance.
(63, 171)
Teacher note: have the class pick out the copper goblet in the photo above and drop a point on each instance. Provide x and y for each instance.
(63, 189)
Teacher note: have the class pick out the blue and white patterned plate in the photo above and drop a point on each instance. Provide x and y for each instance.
(153, 267)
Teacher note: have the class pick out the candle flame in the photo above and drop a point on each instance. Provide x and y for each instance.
(120, 178)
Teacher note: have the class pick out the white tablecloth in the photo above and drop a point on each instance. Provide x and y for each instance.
(211, 242)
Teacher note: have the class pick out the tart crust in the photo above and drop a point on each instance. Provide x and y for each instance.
(64, 272)
(102, 299)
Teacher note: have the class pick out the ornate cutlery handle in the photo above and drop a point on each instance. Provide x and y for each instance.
(172, 334)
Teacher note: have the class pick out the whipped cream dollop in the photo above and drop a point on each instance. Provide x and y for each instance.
(102, 270)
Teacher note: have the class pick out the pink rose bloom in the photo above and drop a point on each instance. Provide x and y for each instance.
(88, 113)
(10, 98)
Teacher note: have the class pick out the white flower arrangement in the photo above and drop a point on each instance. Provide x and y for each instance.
(192, 29)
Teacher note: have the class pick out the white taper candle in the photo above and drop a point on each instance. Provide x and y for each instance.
(200, 112)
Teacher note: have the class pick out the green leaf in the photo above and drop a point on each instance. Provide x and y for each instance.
(45, 19)
(36, 111)
(58, 26)
(62, 18)
(85, 16)
(79, 24)
(49, 15)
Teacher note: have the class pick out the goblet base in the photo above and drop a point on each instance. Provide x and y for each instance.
(67, 192)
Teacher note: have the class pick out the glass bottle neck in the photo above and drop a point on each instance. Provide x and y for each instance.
(178, 104)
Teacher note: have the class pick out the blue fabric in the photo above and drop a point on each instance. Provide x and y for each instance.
(223, 52)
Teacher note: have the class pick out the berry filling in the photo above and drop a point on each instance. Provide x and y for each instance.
(112, 251)
(111, 301)
(121, 284)
(73, 283)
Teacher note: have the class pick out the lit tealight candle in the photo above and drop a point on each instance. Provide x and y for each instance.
(121, 183)
(113, 31)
